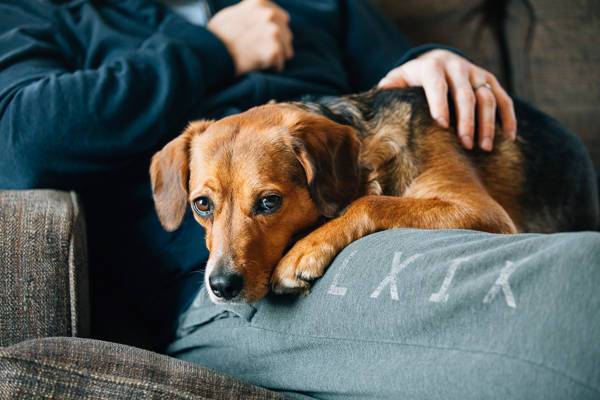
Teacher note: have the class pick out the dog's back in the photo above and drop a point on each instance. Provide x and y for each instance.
(560, 189)
(545, 180)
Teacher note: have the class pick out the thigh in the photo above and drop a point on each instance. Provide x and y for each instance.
(421, 315)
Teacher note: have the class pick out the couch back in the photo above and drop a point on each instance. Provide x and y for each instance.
(544, 51)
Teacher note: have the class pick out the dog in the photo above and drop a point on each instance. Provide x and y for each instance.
(282, 188)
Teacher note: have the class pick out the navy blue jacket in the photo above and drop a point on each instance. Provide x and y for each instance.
(89, 90)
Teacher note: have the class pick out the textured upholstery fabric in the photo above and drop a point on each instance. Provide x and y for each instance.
(558, 73)
(43, 290)
(457, 23)
(69, 368)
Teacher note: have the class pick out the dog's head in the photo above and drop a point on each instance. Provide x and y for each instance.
(253, 181)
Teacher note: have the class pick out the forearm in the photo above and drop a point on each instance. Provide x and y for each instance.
(69, 124)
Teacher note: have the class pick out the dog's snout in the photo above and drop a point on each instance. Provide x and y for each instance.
(226, 284)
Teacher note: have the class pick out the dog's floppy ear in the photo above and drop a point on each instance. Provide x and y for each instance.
(169, 173)
(328, 152)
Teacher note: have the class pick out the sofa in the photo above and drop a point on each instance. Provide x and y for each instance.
(542, 50)
(44, 318)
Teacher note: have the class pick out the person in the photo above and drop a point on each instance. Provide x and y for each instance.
(89, 90)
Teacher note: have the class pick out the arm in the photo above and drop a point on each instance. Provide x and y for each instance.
(59, 125)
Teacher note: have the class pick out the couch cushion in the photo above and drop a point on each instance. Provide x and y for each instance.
(70, 368)
(43, 269)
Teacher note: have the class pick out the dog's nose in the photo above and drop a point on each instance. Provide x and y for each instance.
(226, 285)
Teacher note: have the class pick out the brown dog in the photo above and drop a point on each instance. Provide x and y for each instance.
(337, 169)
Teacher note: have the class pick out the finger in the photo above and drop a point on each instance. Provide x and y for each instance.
(394, 79)
(436, 91)
(282, 19)
(286, 42)
(274, 57)
(506, 108)
(486, 117)
(277, 52)
(279, 14)
(464, 101)
(279, 61)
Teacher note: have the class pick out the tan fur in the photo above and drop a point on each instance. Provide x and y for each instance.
(169, 175)
(448, 193)
(319, 167)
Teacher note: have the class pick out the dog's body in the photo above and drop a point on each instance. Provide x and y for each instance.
(542, 181)
(344, 167)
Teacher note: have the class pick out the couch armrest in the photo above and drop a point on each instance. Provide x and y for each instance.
(43, 266)
(72, 368)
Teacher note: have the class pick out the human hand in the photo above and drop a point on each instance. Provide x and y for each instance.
(256, 33)
(476, 94)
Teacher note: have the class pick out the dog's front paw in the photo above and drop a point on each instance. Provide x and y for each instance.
(304, 263)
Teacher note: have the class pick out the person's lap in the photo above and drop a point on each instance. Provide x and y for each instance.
(420, 314)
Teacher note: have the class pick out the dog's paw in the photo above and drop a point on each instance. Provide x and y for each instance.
(304, 263)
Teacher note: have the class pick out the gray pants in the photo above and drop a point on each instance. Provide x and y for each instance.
(409, 314)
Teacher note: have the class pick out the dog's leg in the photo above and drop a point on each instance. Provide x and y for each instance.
(452, 198)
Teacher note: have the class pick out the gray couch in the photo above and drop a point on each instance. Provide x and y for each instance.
(44, 316)
(43, 282)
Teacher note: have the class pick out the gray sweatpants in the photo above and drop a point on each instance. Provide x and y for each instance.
(409, 314)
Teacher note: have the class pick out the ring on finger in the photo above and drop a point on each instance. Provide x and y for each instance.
(480, 85)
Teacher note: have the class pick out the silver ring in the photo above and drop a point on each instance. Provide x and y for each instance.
(478, 86)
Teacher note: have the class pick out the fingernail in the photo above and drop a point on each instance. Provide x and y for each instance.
(467, 142)
(511, 133)
(486, 144)
(442, 121)
(383, 82)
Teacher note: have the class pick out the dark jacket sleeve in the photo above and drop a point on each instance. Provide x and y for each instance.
(374, 45)
(59, 124)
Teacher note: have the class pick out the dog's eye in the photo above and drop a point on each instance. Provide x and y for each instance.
(268, 204)
(202, 206)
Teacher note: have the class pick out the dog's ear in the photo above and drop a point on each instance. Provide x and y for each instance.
(329, 154)
(169, 173)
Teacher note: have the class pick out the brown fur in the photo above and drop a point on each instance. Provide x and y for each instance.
(396, 169)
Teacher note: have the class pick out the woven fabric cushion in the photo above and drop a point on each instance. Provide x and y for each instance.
(560, 74)
(70, 368)
(43, 272)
